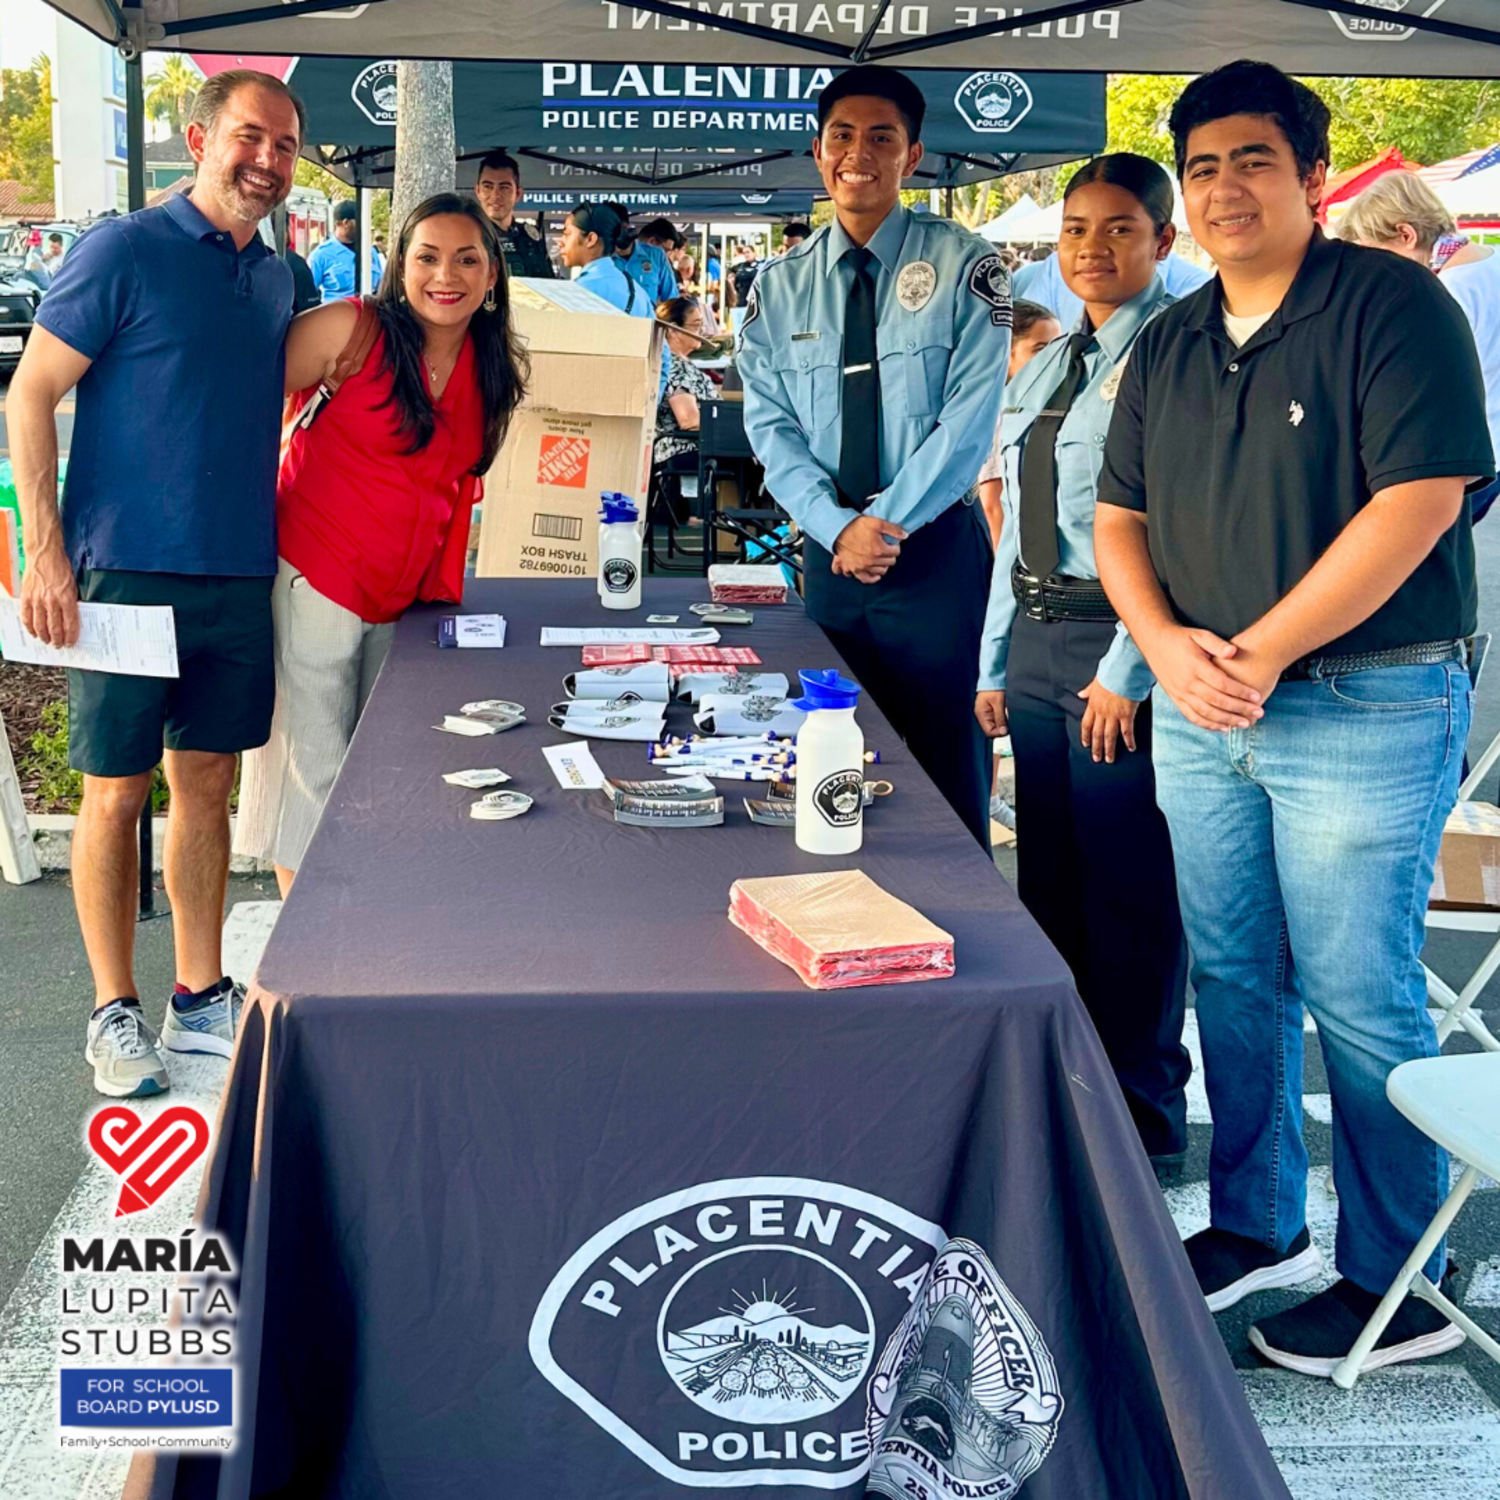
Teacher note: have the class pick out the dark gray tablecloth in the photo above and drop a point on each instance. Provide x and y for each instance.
(541, 1172)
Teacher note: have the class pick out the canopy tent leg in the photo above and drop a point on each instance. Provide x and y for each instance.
(364, 270)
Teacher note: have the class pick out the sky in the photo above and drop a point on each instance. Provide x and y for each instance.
(26, 28)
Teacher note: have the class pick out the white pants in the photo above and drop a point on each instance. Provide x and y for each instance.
(327, 660)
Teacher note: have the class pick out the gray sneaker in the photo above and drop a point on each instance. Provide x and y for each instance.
(125, 1053)
(208, 1027)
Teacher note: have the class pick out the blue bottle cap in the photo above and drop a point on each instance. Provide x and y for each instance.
(617, 507)
(826, 689)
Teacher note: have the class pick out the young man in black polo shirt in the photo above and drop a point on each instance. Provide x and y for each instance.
(1282, 526)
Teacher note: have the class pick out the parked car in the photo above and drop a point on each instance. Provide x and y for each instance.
(18, 301)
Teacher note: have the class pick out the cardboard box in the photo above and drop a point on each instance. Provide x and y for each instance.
(587, 426)
(1468, 864)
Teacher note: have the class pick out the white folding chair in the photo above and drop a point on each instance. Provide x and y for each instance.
(1456, 1102)
(1449, 916)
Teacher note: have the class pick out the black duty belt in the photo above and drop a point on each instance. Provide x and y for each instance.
(1049, 599)
(1426, 654)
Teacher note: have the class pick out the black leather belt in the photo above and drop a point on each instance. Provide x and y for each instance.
(1049, 599)
(1426, 654)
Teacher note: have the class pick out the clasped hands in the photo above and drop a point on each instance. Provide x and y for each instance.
(1216, 684)
(867, 548)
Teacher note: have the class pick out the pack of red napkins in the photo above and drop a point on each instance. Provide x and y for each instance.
(840, 929)
(746, 583)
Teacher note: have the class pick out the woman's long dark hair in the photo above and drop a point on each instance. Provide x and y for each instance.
(500, 360)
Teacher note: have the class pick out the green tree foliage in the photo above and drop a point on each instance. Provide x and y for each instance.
(1429, 119)
(171, 89)
(26, 127)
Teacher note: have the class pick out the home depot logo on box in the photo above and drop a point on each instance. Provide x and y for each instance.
(564, 459)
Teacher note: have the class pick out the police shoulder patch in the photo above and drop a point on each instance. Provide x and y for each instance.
(990, 282)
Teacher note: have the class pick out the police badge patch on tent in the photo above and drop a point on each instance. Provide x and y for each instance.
(993, 103)
(374, 91)
(964, 1399)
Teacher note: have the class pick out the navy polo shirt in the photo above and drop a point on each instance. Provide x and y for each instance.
(175, 438)
(1249, 461)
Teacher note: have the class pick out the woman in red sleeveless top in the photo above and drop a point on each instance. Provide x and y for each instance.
(374, 497)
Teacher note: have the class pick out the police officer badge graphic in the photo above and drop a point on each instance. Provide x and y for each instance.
(619, 575)
(731, 1334)
(374, 91)
(993, 103)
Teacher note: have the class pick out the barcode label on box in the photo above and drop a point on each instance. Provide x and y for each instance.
(560, 528)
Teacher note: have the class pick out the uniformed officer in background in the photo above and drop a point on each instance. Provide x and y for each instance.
(498, 188)
(873, 358)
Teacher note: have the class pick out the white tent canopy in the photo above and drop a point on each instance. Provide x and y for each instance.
(997, 231)
(1039, 228)
(1390, 38)
(1479, 193)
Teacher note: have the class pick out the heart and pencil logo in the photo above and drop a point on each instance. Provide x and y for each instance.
(150, 1157)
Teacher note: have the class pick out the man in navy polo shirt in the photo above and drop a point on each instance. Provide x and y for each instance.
(170, 323)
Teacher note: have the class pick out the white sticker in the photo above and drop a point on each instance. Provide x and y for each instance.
(916, 284)
(574, 766)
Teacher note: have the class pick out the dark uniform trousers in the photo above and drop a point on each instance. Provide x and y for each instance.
(912, 640)
(1095, 869)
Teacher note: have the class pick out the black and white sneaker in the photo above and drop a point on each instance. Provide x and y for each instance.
(1229, 1267)
(1313, 1337)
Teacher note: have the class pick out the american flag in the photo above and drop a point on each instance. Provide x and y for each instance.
(1460, 166)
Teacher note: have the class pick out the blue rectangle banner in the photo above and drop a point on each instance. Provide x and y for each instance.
(147, 1398)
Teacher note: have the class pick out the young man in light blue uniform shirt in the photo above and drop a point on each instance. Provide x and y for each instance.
(872, 357)
(332, 263)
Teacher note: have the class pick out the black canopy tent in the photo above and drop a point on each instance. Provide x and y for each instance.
(1395, 38)
(584, 128)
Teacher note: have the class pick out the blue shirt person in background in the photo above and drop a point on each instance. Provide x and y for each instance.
(333, 263)
(1044, 282)
(869, 355)
(647, 265)
(593, 234)
(1066, 679)
(170, 322)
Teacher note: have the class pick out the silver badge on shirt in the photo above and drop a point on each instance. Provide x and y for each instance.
(916, 284)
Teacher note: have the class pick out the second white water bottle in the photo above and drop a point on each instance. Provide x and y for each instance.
(830, 766)
(619, 552)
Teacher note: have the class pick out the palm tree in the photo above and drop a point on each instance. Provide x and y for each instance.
(170, 91)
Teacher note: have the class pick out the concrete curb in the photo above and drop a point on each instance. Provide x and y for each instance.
(52, 836)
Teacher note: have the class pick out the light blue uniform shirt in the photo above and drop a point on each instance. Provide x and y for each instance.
(606, 278)
(1043, 283)
(332, 265)
(649, 268)
(1080, 457)
(942, 333)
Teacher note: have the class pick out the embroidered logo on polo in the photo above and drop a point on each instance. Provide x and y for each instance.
(1295, 414)
(964, 1400)
(725, 1334)
(993, 103)
(840, 797)
(374, 91)
(1377, 29)
(989, 282)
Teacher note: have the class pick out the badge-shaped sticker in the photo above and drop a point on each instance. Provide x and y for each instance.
(989, 282)
(725, 1333)
(1111, 387)
(916, 284)
(964, 1400)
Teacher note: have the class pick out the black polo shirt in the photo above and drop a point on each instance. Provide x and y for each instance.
(1250, 461)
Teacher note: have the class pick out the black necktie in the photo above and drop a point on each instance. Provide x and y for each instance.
(1039, 547)
(859, 445)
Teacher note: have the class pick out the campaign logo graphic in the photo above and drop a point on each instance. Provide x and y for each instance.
(993, 103)
(725, 1334)
(374, 91)
(964, 1400)
(149, 1157)
(1377, 29)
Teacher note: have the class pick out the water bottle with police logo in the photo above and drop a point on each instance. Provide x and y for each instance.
(830, 766)
(619, 552)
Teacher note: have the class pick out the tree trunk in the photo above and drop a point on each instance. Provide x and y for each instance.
(424, 136)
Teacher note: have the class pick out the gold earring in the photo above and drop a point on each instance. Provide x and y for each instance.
(489, 300)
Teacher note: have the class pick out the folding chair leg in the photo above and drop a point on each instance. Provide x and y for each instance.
(1458, 1005)
(1424, 1289)
(1347, 1370)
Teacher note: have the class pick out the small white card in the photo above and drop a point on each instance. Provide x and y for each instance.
(574, 766)
(615, 635)
(478, 630)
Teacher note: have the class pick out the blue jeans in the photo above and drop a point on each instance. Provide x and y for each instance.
(1304, 849)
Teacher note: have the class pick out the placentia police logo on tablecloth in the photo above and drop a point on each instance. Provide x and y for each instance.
(725, 1334)
(374, 91)
(964, 1400)
(993, 103)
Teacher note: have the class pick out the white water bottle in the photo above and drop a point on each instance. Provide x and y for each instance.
(830, 766)
(619, 552)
